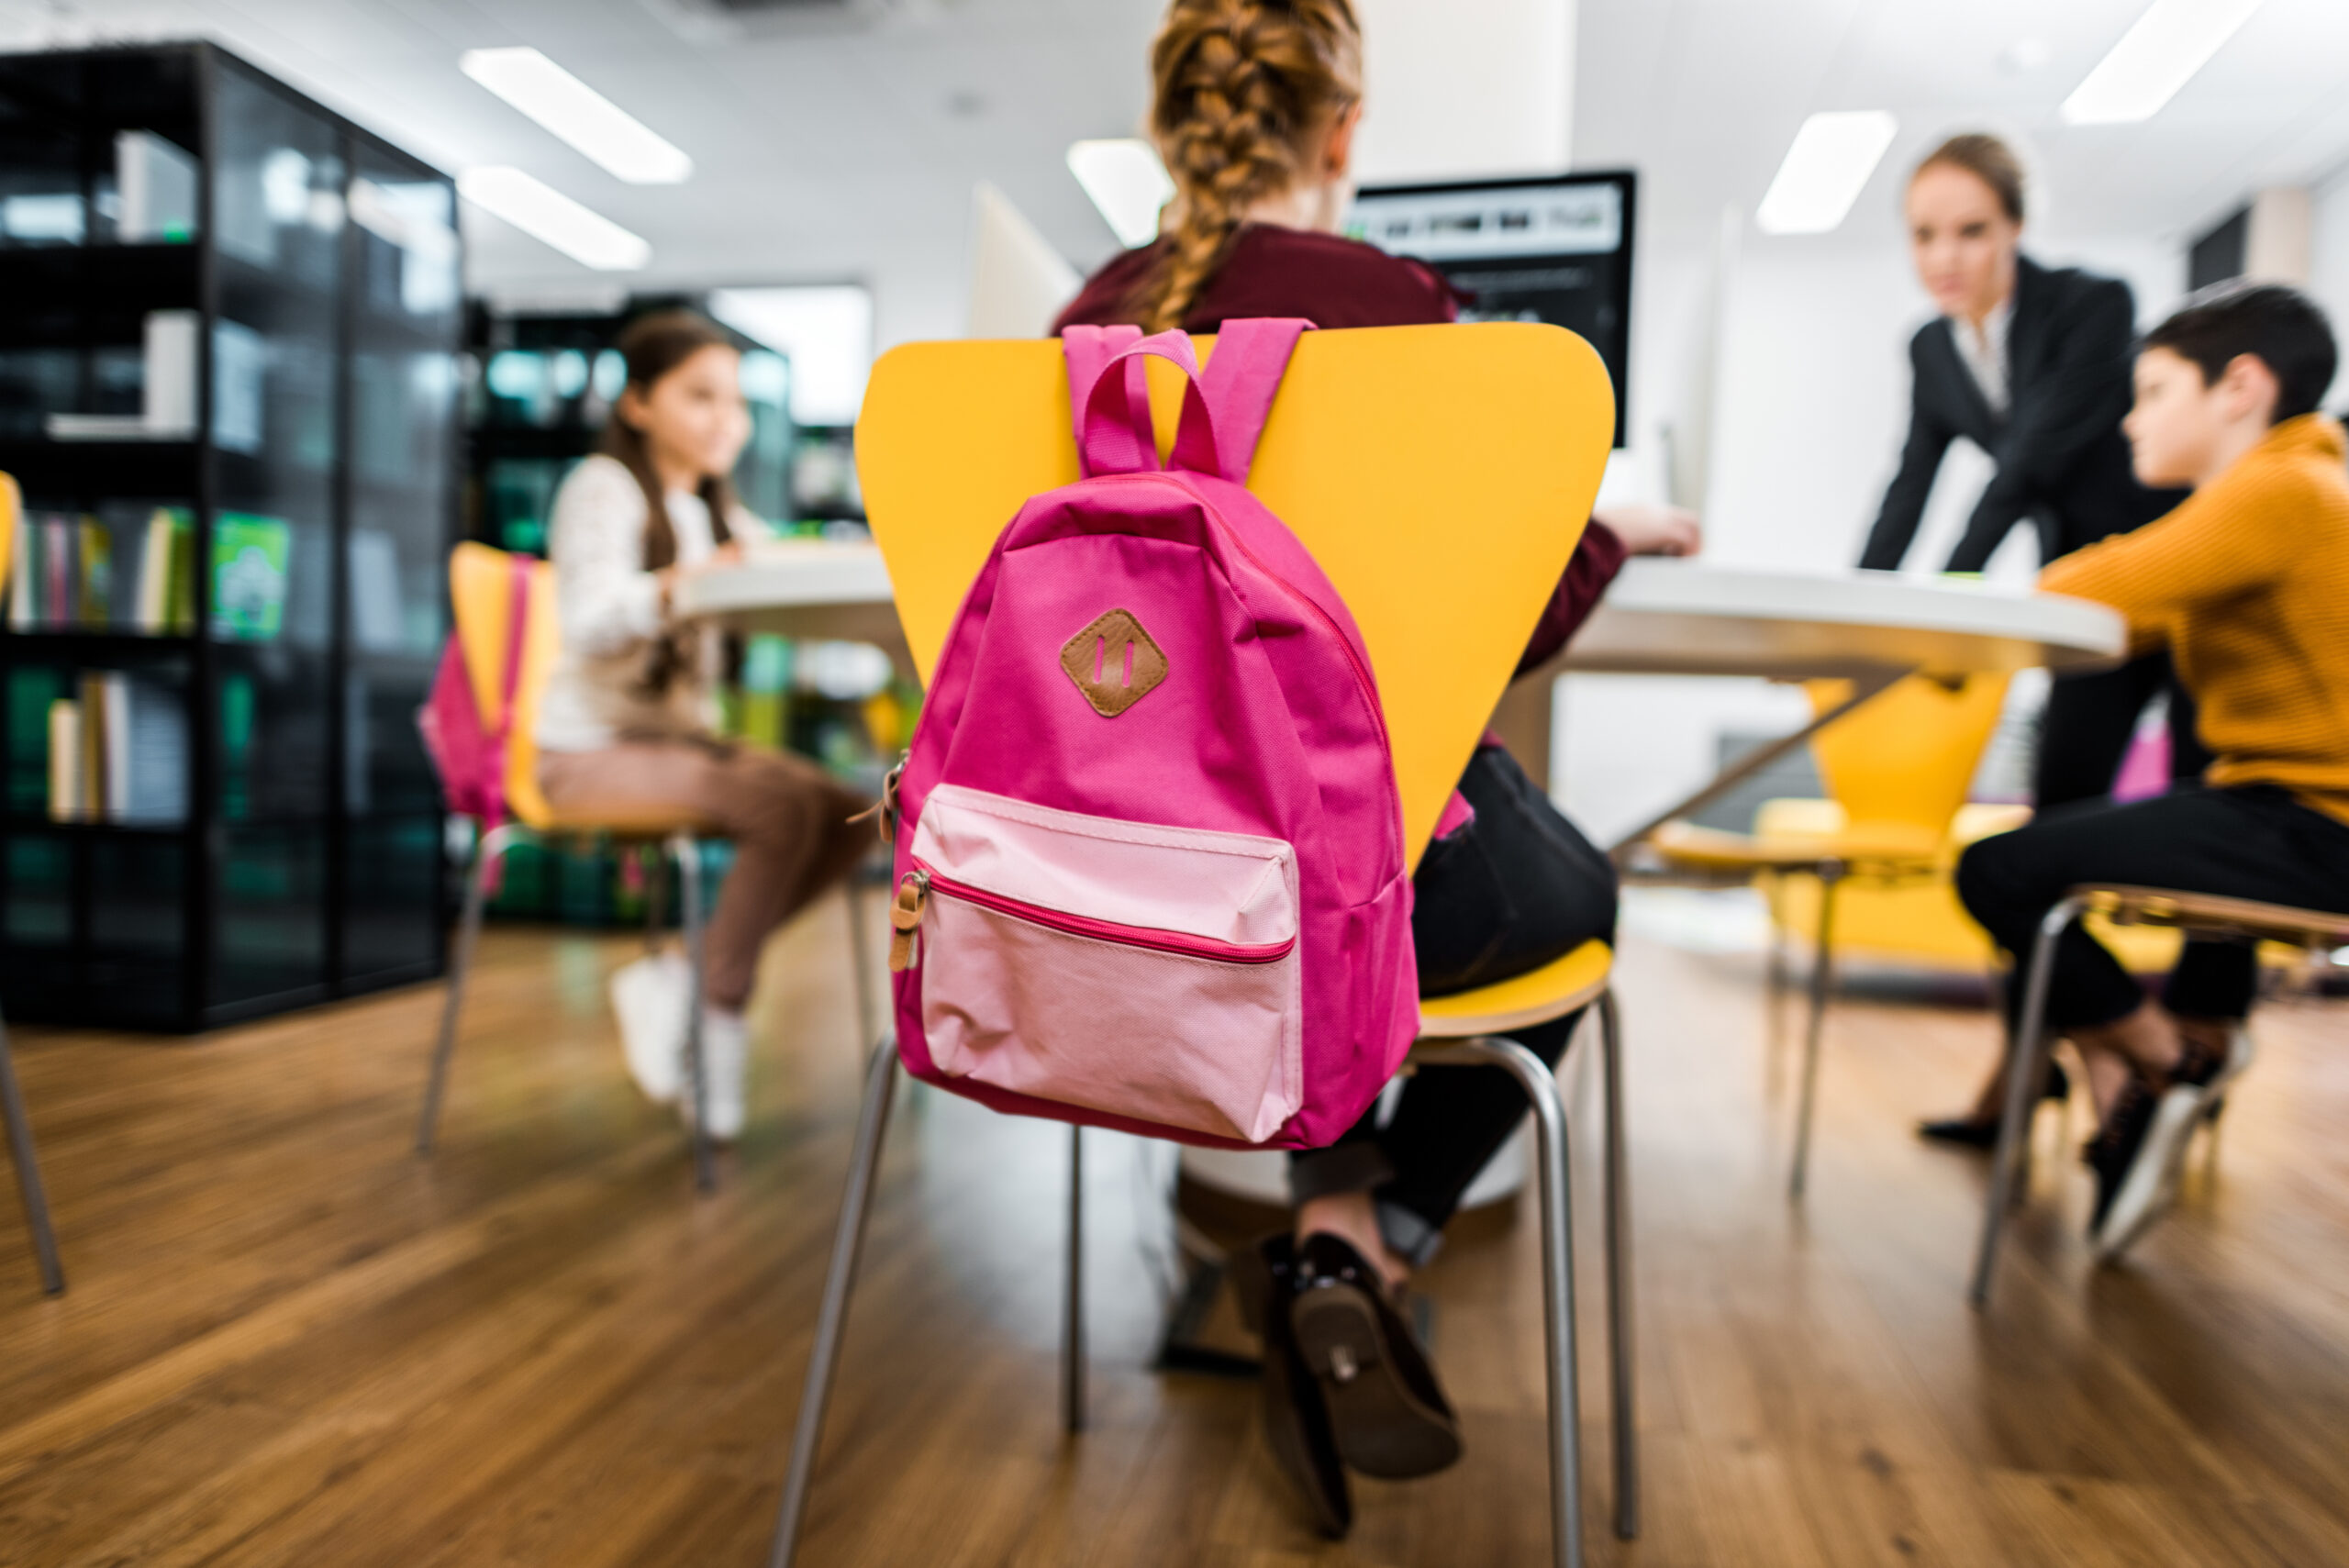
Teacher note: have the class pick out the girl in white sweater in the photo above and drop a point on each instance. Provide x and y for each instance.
(626, 725)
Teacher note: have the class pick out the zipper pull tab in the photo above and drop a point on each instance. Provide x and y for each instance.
(905, 919)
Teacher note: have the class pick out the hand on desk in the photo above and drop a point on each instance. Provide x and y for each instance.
(1648, 529)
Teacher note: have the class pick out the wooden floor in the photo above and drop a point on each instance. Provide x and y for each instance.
(290, 1341)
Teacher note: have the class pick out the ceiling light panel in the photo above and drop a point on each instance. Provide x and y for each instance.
(1825, 169)
(1127, 183)
(2170, 43)
(578, 113)
(545, 214)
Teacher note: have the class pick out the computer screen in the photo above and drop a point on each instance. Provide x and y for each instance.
(1556, 250)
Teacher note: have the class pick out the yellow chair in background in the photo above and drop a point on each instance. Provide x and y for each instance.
(1898, 767)
(1441, 476)
(12, 1100)
(482, 598)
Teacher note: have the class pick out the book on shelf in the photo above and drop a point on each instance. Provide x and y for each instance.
(156, 181)
(168, 404)
(168, 407)
(118, 752)
(64, 759)
(85, 573)
(249, 562)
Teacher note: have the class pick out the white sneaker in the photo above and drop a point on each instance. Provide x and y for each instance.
(726, 1060)
(649, 1000)
(2150, 1185)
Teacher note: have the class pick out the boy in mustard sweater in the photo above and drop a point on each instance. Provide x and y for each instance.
(2247, 584)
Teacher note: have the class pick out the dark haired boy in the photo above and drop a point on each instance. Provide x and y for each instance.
(2247, 584)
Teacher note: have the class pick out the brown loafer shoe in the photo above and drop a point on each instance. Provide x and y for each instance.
(1387, 1413)
(1297, 1423)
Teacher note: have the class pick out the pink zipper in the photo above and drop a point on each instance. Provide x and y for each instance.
(1179, 943)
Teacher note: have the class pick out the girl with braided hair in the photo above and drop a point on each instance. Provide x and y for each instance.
(1256, 106)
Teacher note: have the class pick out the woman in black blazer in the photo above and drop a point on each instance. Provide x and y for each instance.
(2033, 365)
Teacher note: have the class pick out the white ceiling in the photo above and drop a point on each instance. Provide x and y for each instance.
(854, 153)
(1704, 96)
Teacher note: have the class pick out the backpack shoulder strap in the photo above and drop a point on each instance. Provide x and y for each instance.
(1242, 377)
(1089, 352)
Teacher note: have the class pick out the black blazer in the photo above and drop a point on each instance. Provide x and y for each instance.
(2061, 459)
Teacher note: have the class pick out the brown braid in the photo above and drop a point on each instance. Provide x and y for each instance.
(1242, 88)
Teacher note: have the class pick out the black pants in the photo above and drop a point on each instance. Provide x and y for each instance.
(1512, 891)
(2256, 842)
(2090, 720)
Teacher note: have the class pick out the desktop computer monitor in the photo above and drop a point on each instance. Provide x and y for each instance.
(1554, 249)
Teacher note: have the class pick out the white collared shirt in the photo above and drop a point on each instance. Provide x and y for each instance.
(1985, 352)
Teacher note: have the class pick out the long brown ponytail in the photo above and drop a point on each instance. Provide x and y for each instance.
(1240, 89)
(651, 346)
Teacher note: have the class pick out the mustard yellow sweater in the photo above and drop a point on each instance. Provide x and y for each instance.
(2247, 583)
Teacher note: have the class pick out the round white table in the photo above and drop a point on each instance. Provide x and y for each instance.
(808, 588)
(1686, 618)
(1689, 617)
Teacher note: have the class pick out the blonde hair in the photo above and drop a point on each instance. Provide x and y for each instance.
(1240, 88)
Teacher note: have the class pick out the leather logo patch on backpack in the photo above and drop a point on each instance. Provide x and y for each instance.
(1114, 662)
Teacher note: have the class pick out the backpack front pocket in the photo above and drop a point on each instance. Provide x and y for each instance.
(1133, 969)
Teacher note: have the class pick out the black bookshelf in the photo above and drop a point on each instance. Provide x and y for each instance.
(228, 392)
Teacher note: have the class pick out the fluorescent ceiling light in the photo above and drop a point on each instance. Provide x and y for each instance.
(545, 214)
(578, 113)
(2171, 41)
(1831, 160)
(1127, 182)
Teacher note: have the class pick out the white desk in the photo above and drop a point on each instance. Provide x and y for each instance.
(1686, 618)
(802, 588)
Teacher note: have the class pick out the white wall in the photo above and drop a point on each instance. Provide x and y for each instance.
(1466, 87)
(2329, 262)
(1810, 402)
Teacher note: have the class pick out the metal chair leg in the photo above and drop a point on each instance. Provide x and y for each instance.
(859, 959)
(688, 856)
(1072, 1324)
(28, 1187)
(1822, 978)
(2026, 1070)
(656, 901)
(840, 1278)
(1623, 1395)
(1541, 1087)
(487, 854)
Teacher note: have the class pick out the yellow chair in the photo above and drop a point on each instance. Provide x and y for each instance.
(12, 1100)
(1441, 476)
(482, 598)
(1898, 765)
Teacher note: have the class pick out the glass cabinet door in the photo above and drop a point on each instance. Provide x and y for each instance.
(278, 216)
(406, 321)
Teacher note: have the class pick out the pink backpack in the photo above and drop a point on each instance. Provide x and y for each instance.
(470, 756)
(1149, 849)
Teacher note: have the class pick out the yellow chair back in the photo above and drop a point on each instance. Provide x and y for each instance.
(1901, 763)
(1441, 476)
(481, 598)
(12, 508)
